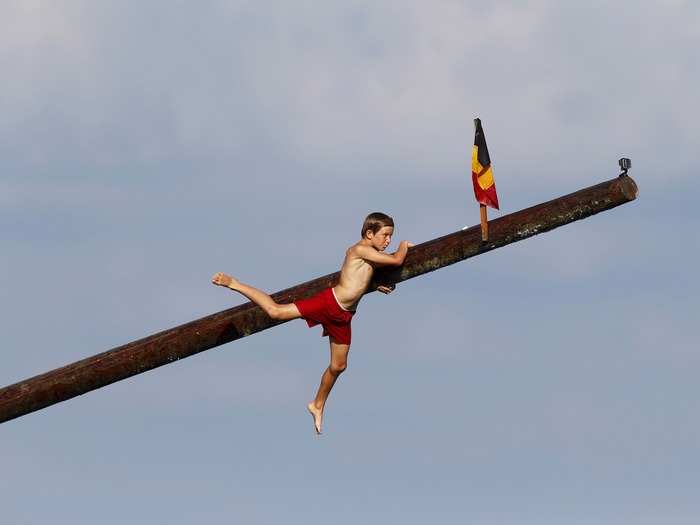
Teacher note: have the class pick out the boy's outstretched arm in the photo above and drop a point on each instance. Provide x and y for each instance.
(384, 259)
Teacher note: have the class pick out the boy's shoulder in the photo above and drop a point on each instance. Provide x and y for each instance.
(356, 250)
(352, 250)
(359, 250)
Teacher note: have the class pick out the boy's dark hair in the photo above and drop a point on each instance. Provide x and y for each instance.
(375, 222)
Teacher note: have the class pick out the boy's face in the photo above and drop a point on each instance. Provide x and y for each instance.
(382, 238)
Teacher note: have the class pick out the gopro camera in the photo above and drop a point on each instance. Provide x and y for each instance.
(625, 164)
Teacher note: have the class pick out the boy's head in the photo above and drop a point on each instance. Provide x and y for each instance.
(378, 228)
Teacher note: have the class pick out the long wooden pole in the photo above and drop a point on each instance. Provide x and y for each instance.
(208, 332)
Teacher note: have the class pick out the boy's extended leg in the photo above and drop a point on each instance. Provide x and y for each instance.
(279, 312)
(339, 362)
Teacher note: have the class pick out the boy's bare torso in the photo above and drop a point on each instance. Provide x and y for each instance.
(355, 276)
(361, 259)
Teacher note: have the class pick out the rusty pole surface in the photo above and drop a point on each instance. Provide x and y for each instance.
(208, 332)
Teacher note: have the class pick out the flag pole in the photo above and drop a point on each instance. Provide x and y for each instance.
(484, 223)
(481, 162)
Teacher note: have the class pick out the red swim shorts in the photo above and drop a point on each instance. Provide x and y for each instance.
(323, 309)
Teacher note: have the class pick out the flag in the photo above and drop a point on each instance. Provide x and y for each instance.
(482, 175)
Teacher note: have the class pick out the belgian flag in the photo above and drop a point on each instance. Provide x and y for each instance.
(482, 175)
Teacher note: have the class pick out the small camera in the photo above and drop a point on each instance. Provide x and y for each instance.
(625, 164)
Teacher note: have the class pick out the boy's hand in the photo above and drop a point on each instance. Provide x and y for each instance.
(408, 244)
(386, 289)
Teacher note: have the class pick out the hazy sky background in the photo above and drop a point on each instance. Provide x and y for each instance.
(146, 145)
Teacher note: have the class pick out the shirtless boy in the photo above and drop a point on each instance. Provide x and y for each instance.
(333, 308)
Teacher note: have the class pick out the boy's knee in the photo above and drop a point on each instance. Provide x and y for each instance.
(338, 368)
(282, 312)
(276, 313)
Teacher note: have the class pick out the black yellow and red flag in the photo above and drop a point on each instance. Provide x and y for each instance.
(482, 174)
(482, 177)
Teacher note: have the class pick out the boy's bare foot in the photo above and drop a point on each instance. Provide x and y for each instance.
(317, 414)
(222, 279)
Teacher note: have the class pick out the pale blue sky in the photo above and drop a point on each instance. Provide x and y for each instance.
(145, 147)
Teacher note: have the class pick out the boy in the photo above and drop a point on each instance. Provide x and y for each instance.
(334, 307)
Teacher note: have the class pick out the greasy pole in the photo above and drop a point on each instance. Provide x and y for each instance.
(213, 330)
